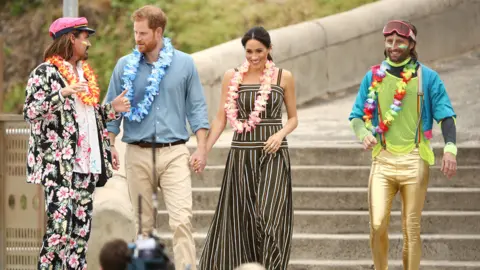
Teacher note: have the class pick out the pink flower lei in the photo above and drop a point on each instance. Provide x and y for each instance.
(260, 103)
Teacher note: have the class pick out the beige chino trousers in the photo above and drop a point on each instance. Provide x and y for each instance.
(173, 173)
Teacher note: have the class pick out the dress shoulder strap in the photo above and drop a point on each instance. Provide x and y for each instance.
(279, 76)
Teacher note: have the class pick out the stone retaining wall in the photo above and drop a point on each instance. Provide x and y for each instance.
(332, 54)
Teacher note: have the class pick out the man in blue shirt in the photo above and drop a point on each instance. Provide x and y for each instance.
(164, 90)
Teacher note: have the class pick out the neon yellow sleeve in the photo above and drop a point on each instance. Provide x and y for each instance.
(358, 127)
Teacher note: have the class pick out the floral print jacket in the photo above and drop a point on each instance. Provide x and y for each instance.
(54, 136)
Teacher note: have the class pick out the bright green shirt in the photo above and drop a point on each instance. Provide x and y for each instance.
(400, 138)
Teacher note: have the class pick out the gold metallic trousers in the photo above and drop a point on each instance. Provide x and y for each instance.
(390, 174)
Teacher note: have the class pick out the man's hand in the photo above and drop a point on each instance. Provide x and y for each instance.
(115, 158)
(73, 89)
(369, 142)
(198, 160)
(449, 164)
(121, 103)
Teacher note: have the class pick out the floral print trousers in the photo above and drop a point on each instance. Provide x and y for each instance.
(69, 208)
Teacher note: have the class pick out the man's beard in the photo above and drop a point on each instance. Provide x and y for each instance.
(148, 47)
(402, 55)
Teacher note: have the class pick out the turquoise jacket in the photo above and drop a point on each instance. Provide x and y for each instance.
(436, 103)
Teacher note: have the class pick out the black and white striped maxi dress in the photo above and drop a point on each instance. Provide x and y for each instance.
(253, 221)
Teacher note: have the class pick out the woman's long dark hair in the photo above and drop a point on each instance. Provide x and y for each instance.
(260, 34)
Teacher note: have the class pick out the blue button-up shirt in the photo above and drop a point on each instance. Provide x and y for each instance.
(180, 98)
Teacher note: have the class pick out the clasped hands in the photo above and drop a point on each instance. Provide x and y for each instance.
(198, 159)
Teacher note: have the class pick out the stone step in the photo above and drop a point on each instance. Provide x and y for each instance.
(352, 222)
(341, 198)
(343, 154)
(368, 265)
(445, 247)
(342, 176)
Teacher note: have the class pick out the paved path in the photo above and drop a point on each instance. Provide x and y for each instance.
(328, 122)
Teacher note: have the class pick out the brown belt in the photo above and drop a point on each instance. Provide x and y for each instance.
(157, 145)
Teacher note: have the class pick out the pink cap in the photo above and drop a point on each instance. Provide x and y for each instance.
(66, 24)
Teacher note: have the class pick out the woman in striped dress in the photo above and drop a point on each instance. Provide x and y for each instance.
(254, 216)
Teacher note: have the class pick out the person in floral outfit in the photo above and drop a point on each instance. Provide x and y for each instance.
(69, 151)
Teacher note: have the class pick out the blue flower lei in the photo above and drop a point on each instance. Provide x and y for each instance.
(138, 112)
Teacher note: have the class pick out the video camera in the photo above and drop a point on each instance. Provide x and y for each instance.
(148, 253)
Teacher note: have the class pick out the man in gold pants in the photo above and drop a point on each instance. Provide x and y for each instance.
(393, 115)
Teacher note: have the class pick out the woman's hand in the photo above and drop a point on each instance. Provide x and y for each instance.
(273, 143)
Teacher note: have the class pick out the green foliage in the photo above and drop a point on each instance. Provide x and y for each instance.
(18, 7)
(15, 98)
(195, 25)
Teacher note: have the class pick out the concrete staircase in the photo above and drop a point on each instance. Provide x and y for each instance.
(331, 228)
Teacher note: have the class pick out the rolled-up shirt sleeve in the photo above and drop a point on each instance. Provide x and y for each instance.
(196, 105)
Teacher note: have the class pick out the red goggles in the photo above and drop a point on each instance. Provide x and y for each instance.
(400, 28)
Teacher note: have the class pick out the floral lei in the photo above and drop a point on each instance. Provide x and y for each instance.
(370, 105)
(91, 97)
(260, 103)
(158, 72)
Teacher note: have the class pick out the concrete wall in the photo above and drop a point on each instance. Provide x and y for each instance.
(333, 53)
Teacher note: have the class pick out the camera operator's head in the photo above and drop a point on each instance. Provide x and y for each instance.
(115, 255)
